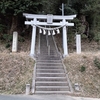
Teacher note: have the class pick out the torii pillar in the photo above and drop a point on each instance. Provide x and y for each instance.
(32, 52)
(65, 46)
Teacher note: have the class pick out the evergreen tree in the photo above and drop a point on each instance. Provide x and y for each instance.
(12, 11)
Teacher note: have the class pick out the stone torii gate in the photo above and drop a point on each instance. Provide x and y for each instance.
(62, 21)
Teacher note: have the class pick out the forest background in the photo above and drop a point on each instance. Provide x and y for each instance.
(88, 15)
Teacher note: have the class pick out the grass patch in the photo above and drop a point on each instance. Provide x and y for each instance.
(97, 63)
(15, 72)
(82, 69)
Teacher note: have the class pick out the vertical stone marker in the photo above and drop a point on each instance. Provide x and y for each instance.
(15, 42)
(78, 44)
(27, 89)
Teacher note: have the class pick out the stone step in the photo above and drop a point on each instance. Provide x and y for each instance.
(53, 49)
(48, 64)
(50, 71)
(48, 61)
(52, 92)
(42, 54)
(43, 46)
(50, 67)
(45, 50)
(51, 79)
(42, 51)
(49, 57)
(46, 47)
(53, 53)
(52, 88)
(50, 83)
(50, 75)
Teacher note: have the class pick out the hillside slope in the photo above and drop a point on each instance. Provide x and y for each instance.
(83, 69)
(16, 69)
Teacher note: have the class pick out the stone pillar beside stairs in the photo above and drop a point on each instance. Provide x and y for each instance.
(15, 42)
(78, 43)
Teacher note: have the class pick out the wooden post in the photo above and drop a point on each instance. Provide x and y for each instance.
(78, 44)
(15, 42)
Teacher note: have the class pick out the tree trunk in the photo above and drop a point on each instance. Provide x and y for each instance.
(86, 24)
(14, 24)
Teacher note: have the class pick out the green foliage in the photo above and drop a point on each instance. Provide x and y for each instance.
(78, 6)
(50, 6)
(88, 8)
(7, 37)
(21, 39)
(7, 45)
(16, 7)
(69, 10)
(83, 68)
(91, 9)
(97, 63)
(11, 12)
(2, 27)
(92, 6)
(78, 27)
(97, 37)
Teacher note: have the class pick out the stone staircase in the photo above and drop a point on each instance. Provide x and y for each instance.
(50, 75)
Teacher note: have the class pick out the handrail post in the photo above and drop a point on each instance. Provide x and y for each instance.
(48, 49)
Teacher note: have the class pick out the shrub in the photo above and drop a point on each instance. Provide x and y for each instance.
(2, 27)
(83, 68)
(7, 45)
(21, 39)
(97, 37)
(97, 63)
(7, 37)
